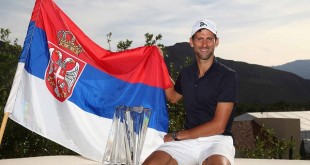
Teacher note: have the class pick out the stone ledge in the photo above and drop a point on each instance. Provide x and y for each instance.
(79, 160)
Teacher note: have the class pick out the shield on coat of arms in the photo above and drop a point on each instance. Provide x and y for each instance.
(62, 73)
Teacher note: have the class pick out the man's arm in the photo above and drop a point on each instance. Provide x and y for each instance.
(172, 95)
(215, 126)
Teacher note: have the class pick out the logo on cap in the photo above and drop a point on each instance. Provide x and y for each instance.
(203, 24)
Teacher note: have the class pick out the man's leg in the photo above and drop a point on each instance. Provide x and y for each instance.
(217, 150)
(216, 160)
(160, 158)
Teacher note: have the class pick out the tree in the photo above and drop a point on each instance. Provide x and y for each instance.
(4, 35)
(123, 45)
(109, 40)
(19, 141)
(8, 62)
(149, 40)
(267, 146)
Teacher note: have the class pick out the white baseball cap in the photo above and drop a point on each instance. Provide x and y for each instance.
(204, 24)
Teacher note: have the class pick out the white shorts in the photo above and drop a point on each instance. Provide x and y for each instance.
(195, 151)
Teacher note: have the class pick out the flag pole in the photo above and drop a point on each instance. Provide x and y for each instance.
(4, 121)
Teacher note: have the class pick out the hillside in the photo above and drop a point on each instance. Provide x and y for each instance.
(258, 84)
(298, 67)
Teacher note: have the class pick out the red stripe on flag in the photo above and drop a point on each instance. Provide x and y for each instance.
(139, 65)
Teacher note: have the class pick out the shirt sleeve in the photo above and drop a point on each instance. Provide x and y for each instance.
(228, 91)
(178, 84)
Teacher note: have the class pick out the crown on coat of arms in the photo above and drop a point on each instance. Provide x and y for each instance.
(67, 40)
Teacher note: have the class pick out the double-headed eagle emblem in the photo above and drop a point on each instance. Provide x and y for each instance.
(61, 74)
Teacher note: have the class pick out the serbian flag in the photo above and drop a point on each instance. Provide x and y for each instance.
(66, 87)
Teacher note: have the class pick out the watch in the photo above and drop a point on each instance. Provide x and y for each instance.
(174, 136)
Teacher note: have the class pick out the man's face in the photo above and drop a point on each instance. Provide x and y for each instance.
(204, 43)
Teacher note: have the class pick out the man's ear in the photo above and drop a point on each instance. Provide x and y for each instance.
(191, 42)
(217, 42)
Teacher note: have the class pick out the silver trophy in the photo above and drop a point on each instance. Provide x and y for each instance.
(127, 134)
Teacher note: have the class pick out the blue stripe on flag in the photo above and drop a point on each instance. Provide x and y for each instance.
(95, 91)
(100, 93)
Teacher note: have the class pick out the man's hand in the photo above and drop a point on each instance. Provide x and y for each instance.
(168, 138)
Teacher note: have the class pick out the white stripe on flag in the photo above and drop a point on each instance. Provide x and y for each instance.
(32, 106)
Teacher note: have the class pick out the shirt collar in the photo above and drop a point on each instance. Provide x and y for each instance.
(214, 65)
